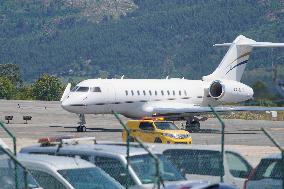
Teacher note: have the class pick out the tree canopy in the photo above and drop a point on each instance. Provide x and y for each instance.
(7, 89)
(48, 88)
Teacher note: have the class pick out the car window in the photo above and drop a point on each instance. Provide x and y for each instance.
(238, 166)
(89, 178)
(146, 126)
(144, 167)
(46, 180)
(268, 168)
(115, 169)
(199, 162)
(166, 126)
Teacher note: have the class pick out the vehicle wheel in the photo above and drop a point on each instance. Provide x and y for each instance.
(158, 140)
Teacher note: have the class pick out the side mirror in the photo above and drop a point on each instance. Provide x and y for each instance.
(182, 172)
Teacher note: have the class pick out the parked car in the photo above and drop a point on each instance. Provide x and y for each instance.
(54, 172)
(267, 174)
(9, 175)
(205, 162)
(112, 159)
(156, 131)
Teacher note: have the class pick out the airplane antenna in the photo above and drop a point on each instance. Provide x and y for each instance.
(122, 77)
(167, 77)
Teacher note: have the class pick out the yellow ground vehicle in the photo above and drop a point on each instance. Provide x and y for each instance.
(153, 130)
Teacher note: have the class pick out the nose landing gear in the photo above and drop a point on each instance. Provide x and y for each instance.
(82, 122)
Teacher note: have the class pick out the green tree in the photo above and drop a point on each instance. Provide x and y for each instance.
(261, 91)
(7, 89)
(24, 93)
(47, 88)
(12, 72)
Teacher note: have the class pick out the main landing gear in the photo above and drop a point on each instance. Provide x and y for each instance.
(82, 122)
(192, 124)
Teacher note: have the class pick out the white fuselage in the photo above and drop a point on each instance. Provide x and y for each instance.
(136, 98)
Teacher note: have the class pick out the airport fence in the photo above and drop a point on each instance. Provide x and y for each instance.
(12, 173)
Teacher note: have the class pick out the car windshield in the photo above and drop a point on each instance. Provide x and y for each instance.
(166, 126)
(268, 168)
(89, 178)
(144, 167)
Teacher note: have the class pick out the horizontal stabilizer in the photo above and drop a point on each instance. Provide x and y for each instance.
(254, 44)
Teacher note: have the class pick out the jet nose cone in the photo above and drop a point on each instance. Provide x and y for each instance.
(65, 104)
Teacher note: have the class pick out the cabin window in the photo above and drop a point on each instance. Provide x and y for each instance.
(132, 92)
(168, 92)
(96, 89)
(162, 92)
(75, 88)
(138, 92)
(174, 93)
(144, 92)
(126, 93)
(150, 92)
(156, 93)
(179, 92)
(185, 93)
(82, 89)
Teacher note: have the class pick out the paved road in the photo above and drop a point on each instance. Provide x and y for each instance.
(49, 119)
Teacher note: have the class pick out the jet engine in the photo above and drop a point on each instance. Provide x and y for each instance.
(230, 91)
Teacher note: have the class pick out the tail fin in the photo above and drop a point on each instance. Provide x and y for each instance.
(234, 62)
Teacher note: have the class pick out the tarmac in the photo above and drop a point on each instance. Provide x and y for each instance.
(49, 119)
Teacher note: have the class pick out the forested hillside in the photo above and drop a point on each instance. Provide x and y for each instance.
(135, 38)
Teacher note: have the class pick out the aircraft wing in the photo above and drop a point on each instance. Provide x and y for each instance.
(171, 111)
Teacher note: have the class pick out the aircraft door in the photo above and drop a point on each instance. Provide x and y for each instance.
(102, 96)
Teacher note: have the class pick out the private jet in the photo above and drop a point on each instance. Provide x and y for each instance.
(173, 99)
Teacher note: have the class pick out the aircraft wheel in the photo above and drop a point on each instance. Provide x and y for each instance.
(192, 126)
(158, 140)
(84, 129)
(81, 129)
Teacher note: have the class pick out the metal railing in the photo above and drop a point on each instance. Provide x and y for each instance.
(17, 164)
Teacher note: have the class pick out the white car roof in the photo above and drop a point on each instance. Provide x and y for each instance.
(54, 162)
(111, 148)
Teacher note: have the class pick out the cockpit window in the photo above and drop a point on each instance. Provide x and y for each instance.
(96, 89)
(82, 89)
(74, 89)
